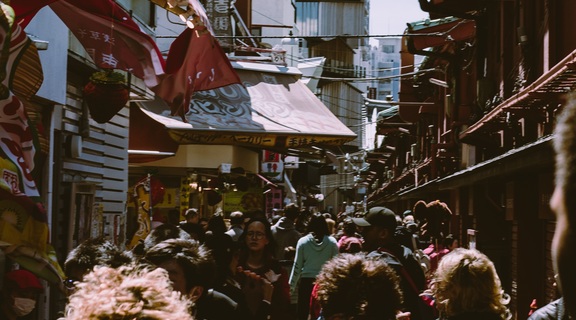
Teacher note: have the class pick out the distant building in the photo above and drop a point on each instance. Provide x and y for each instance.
(386, 64)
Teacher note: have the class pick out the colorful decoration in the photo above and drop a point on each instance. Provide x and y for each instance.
(146, 193)
(105, 94)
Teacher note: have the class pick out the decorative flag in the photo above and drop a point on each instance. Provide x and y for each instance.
(25, 10)
(23, 221)
(112, 39)
(195, 62)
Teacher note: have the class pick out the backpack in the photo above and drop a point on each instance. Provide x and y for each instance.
(421, 306)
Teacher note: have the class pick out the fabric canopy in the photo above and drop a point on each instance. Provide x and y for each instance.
(272, 109)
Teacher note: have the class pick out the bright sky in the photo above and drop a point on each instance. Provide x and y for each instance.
(391, 16)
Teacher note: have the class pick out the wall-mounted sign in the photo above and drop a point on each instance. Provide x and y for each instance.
(272, 166)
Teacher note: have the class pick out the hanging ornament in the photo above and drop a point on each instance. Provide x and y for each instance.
(105, 94)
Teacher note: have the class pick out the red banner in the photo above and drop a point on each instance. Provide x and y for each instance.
(111, 38)
(196, 62)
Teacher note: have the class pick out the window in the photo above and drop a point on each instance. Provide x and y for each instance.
(388, 49)
(144, 10)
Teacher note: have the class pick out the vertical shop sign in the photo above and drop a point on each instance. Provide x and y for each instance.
(184, 195)
(218, 11)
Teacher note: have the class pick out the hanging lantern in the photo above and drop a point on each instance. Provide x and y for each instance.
(105, 94)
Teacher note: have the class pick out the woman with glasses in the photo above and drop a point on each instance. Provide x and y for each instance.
(257, 255)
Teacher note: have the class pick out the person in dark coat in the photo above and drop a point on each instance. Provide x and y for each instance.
(378, 227)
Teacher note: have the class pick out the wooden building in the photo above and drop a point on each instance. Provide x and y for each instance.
(476, 130)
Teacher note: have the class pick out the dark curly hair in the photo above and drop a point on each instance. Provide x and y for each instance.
(95, 252)
(195, 259)
(355, 286)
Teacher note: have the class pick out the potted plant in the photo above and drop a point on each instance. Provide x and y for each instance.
(105, 94)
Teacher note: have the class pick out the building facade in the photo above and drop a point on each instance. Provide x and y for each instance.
(475, 130)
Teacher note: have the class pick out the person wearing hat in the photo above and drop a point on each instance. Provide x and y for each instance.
(378, 227)
(19, 294)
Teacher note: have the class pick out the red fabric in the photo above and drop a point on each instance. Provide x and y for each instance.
(315, 307)
(26, 9)
(24, 279)
(195, 63)
(112, 38)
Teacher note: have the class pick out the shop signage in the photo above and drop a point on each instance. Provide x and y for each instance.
(272, 166)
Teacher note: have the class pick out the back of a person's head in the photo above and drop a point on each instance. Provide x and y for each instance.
(448, 240)
(291, 211)
(164, 232)
(236, 218)
(356, 286)
(331, 225)
(95, 252)
(318, 226)
(216, 224)
(191, 213)
(349, 227)
(173, 217)
(195, 260)
(128, 292)
(466, 280)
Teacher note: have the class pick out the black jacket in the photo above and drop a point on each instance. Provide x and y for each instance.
(214, 305)
(412, 279)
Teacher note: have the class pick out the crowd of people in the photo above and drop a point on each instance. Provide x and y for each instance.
(303, 265)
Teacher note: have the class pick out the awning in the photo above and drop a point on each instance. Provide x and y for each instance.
(548, 90)
(432, 33)
(272, 110)
(147, 140)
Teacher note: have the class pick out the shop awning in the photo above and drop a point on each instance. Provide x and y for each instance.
(548, 91)
(272, 110)
(432, 33)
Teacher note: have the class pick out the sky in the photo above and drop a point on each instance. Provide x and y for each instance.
(391, 16)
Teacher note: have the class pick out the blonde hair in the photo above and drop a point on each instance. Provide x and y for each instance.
(466, 281)
(128, 292)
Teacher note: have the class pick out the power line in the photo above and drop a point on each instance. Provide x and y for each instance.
(374, 78)
(328, 37)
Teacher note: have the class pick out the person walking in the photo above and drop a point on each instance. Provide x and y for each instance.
(284, 231)
(312, 252)
(378, 228)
